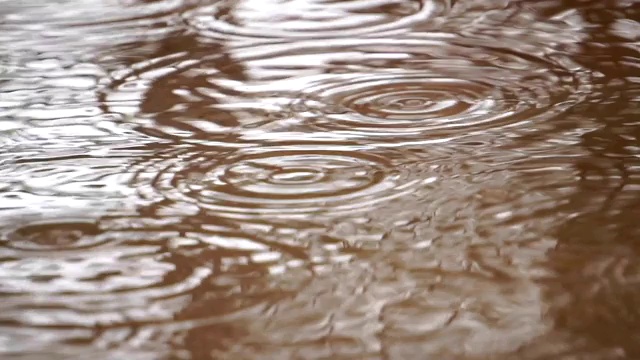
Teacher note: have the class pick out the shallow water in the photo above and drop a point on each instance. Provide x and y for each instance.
(319, 179)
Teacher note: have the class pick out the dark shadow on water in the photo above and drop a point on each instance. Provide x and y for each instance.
(594, 291)
(171, 101)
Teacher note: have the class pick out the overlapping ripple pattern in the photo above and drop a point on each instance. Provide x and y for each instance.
(301, 19)
(437, 102)
(315, 179)
(425, 85)
(279, 181)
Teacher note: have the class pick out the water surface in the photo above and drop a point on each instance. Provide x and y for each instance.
(319, 179)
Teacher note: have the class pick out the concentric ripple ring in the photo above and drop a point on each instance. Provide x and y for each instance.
(276, 181)
(295, 19)
(62, 235)
(432, 104)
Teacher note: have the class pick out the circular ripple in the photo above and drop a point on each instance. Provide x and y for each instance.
(60, 234)
(401, 104)
(437, 102)
(309, 19)
(276, 181)
(410, 87)
(123, 272)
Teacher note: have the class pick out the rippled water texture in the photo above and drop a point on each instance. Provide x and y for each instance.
(319, 179)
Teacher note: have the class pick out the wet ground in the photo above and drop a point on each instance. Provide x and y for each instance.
(319, 179)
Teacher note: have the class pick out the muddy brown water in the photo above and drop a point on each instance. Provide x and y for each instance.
(319, 179)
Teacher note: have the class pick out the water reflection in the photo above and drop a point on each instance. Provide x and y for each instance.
(295, 19)
(592, 292)
(319, 179)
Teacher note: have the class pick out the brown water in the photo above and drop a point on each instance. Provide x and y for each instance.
(320, 179)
